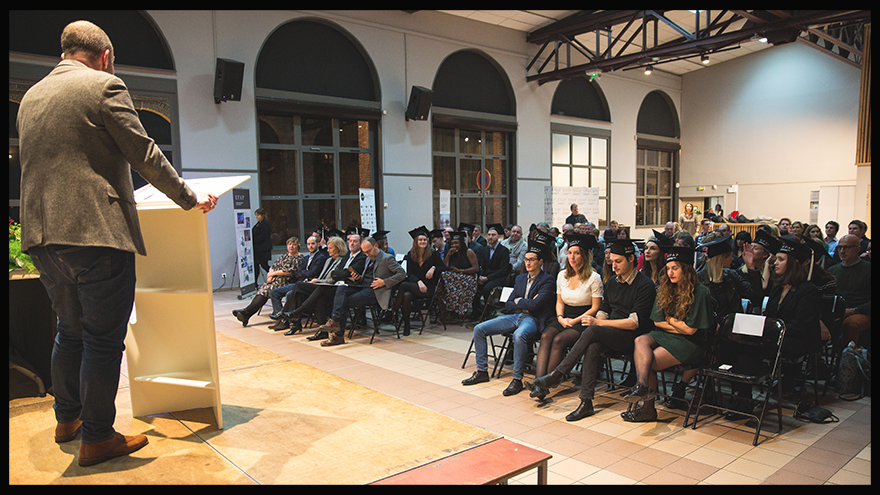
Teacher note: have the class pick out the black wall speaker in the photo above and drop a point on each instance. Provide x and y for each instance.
(419, 103)
(227, 80)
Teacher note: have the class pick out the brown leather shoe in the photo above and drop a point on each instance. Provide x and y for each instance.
(281, 324)
(333, 340)
(330, 326)
(65, 432)
(119, 445)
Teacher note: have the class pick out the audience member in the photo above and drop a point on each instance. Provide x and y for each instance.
(309, 268)
(371, 286)
(705, 228)
(261, 237)
(682, 316)
(797, 229)
(859, 229)
(494, 264)
(687, 220)
(528, 309)
(624, 314)
(831, 229)
(517, 247)
(669, 231)
(611, 232)
(278, 275)
(438, 242)
(783, 226)
(651, 262)
(743, 237)
(575, 216)
(578, 295)
(423, 269)
(459, 277)
(758, 259)
(853, 284)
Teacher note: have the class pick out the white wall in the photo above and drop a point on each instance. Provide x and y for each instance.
(780, 123)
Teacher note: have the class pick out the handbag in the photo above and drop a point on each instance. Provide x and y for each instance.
(854, 373)
(815, 414)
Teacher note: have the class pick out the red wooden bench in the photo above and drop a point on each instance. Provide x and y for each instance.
(492, 463)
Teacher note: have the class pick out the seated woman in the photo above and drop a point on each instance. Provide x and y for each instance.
(459, 276)
(278, 275)
(758, 259)
(682, 316)
(794, 300)
(651, 262)
(578, 294)
(423, 268)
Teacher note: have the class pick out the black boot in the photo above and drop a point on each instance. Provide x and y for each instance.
(549, 381)
(583, 410)
(244, 315)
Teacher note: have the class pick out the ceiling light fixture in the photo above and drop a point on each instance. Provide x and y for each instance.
(648, 70)
(704, 58)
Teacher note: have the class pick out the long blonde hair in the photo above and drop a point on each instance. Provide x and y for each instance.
(676, 299)
(585, 271)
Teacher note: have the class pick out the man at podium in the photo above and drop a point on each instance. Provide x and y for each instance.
(79, 138)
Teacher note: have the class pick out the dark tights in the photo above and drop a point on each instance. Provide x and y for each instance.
(555, 342)
(405, 295)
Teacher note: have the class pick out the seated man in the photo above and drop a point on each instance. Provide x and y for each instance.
(854, 285)
(625, 313)
(371, 286)
(528, 309)
(494, 262)
(309, 268)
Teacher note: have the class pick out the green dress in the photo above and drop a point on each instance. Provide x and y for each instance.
(687, 349)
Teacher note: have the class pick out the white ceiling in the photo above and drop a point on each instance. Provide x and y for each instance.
(530, 20)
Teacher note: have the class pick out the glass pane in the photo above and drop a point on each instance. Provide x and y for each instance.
(561, 153)
(318, 173)
(351, 213)
(651, 212)
(580, 150)
(603, 209)
(495, 176)
(640, 212)
(664, 159)
(277, 173)
(665, 178)
(276, 129)
(317, 131)
(320, 212)
(560, 176)
(665, 211)
(580, 177)
(598, 178)
(283, 218)
(469, 171)
(354, 172)
(496, 143)
(444, 140)
(650, 182)
(354, 134)
(640, 158)
(470, 142)
(599, 152)
(650, 158)
(444, 173)
(470, 211)
(640, 180)
(496, 211)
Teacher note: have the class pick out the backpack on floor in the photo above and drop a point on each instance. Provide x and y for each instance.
(854, 374)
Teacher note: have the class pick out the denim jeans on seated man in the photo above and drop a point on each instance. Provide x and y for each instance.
(92, 293)
(278, 293)
(525, 330)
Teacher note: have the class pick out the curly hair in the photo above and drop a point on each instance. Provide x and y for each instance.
(676, 299)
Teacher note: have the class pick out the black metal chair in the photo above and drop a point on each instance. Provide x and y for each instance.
(768, 375)
(493, 302)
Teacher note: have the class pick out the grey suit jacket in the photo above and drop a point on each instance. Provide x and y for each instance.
(387, 268)
(78, 135)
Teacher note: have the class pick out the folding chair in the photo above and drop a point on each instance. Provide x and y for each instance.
(765, 335)
(506, 348)
(833, 308)
(493, 300)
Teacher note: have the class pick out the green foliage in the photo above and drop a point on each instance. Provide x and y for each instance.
(17, 259)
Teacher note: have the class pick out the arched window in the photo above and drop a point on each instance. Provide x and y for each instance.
(137, 42)
(657, 160)
(474, 124)
(318, 105)
(581, 155)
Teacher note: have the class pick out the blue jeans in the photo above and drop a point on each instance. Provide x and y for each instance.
(275, 295)
(92, 293)
(525, 331)
(348, 296)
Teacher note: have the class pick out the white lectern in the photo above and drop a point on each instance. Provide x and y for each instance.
(170, 347)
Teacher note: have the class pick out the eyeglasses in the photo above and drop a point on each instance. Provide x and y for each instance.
(841, 246)
(532, 260)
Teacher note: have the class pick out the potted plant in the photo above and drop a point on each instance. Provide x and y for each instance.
(17, 259)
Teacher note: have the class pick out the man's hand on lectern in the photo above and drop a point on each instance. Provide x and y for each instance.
(207, 203)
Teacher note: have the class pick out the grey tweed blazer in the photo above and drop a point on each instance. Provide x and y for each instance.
(78, 135)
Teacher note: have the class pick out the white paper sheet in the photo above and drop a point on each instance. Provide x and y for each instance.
(745, 324)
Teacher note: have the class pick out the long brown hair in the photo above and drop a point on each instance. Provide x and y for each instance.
(419, 255)
(676, 299)
(585, 271)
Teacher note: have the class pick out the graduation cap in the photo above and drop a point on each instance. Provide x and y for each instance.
(538, 248)
(583, 241)
(544, 239)
(799, 250)
(623, 247)
(819, 249)
(682, 254)
(420, 230)
(458, 234)
(466, 227)
(355, 230)
(436, 233)
(719, 246)
(497, 227)
(771, 243)
(380, 234)
(661, 239)
(334, 233)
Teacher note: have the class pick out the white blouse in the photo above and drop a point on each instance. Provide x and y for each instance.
(583, 294)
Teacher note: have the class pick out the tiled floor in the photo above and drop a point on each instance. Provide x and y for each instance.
(602, 449)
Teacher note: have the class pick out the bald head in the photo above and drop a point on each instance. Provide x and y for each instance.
(87, 43)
